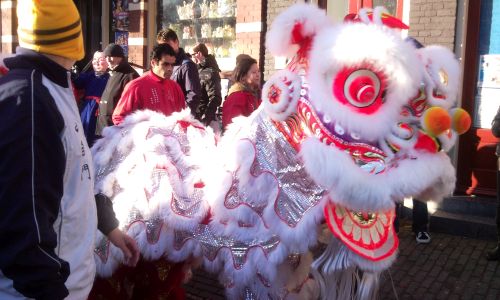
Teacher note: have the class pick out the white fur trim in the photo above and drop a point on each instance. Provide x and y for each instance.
(279, 36)
(355, 189)
(447, 142)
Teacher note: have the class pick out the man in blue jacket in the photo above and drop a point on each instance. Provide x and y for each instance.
(185, 70)
(48, 213)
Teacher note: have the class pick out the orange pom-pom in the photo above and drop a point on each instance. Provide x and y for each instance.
(435, 121)
(461, 120)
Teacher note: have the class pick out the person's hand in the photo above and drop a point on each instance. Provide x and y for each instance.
(127, 244)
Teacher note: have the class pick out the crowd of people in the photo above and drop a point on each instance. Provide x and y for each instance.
(176, 80)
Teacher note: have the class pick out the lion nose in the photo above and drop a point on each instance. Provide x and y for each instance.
(436, 121)
(461, 120)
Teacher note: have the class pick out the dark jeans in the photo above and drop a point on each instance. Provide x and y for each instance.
(420, 216)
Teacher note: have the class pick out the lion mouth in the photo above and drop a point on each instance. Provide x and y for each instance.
(307, 123)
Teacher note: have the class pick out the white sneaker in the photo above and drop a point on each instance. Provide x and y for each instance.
(423, 237)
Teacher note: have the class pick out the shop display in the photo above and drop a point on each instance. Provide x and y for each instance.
(187, 32)
(212, 12)
(202, 21)
(218, 32)
(225, 8)
(204, 8)
(228, 31)
(206, 30)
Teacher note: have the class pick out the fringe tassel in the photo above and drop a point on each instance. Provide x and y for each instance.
(338, 277)
(368, 289)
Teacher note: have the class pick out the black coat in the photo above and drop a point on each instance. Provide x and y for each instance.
(210, 90)
(119, 78)
(495, 129)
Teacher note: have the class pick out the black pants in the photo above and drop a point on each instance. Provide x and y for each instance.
(498, 199)
(420, 216)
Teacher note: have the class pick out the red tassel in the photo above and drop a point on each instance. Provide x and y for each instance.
(298, 38)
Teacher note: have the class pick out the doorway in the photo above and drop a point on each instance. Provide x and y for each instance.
(91, 15)
(481, 97)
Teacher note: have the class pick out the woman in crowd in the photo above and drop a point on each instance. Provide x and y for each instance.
(244, 95)
(93, 84)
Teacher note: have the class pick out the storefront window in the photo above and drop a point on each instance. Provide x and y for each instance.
(390, 5)
(394, 7)
(202, 21)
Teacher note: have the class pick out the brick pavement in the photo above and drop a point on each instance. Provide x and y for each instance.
(450, 267)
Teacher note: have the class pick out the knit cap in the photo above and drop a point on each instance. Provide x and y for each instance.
(51, 27)
(114, 50)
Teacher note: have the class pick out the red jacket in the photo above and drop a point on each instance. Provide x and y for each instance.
(149, 92)
(240, 102)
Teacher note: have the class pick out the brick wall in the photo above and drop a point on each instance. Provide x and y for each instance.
(250, 28)
(274, 7)
(138, 31)
(433, 21)
(8, 26)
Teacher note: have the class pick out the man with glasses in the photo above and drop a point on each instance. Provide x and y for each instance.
(93, 84)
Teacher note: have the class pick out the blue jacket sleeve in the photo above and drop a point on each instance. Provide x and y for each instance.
(192, 86)
(32, 163)
(82, 81)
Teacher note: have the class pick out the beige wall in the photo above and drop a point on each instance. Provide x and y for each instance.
(249, 29)
(274, 8)
(433, 22)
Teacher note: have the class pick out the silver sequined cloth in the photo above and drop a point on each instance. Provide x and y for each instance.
(211, 243)
(237, 196)
(298, 192)
(249, 295)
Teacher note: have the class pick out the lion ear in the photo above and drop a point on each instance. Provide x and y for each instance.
(281, 94)
(293, 31)
(442, 76)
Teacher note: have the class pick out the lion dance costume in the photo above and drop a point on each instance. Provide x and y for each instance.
(360, 119)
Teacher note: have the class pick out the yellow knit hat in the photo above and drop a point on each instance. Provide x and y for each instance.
(50, 26)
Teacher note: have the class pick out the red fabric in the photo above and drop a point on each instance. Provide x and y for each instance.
(387, 19)
(3, 70)
(77, 93)
(298, 38)
(149, 92)
(149, 280)
(241, 103)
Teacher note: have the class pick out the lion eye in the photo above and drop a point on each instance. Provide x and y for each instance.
(361, 89)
